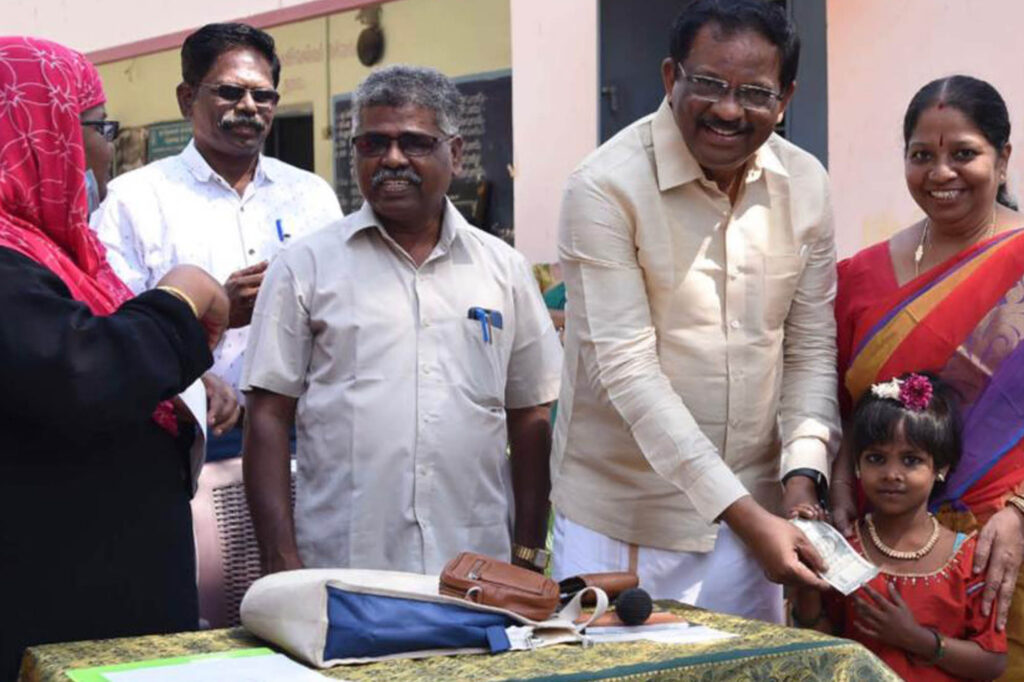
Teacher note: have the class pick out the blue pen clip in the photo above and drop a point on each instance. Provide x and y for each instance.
(281, 236)
(484, 317)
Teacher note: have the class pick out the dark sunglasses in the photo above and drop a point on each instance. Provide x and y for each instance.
(263, 97)
(108, 129)
(411, 144)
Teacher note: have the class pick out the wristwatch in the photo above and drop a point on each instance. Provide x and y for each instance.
(536, 557)
(820, 482)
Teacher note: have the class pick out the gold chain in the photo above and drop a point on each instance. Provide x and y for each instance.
(919, 251)
(898, 554)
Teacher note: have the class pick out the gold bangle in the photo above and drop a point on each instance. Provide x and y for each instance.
(1016, 501)
(181, 295)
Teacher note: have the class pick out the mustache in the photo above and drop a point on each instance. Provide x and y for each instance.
(385, 174)
(235, 120)
(727, 126)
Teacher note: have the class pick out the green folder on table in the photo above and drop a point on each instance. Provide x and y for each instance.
(97, 674)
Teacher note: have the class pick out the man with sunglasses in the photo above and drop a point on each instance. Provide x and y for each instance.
(410, 348)
(219, 204)
(698, 254)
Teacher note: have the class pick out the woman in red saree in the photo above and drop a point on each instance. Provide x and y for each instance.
(946, 295)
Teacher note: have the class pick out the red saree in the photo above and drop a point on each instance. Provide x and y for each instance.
(963, 320)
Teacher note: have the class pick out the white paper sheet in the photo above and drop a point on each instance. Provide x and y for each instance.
(194, 398)
(272, 668)
(665, 633)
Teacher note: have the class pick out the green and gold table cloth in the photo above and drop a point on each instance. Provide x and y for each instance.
(761, 652)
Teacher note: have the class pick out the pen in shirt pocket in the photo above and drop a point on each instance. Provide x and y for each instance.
(489, 320)
(282, 236)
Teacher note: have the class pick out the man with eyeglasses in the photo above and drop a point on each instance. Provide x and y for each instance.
(410, 348)
(219, 204)
(697, 248)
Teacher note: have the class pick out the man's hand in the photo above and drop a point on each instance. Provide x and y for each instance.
(890, 621)
(800, 491)
(1000, 547)
(266, 468)
(843, 501)
(784, 552)
(275, 563)
(810, 512)
(242, 287)
(222, 407)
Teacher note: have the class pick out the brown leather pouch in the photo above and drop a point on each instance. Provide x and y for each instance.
(484, 580)
(613, 584)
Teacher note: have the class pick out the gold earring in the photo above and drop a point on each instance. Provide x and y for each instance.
(941, 477)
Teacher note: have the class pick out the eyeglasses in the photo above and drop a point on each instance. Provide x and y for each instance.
(263, 97)
(108, 129)
(412, 144)
(714, 89)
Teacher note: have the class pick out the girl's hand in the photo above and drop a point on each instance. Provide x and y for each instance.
(890, 621)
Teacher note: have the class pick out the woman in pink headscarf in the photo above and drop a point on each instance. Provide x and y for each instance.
(95, 531)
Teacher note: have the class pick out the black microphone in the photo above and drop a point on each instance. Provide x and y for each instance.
(633, 606)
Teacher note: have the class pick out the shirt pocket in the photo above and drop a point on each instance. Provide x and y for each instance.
(780, 276)
(476, 363)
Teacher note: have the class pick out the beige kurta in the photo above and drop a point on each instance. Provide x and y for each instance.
(700, 341)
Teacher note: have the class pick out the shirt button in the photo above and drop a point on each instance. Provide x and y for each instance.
(252, 252)
(426, 369)
(735, 324)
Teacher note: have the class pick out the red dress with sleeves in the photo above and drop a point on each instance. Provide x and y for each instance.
(947, 600)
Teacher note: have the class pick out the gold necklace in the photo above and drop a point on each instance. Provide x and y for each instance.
(898, 554)
(919, 251)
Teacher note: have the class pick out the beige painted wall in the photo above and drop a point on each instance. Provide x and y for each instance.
(459, 37)
(554, 111)
(880, 52)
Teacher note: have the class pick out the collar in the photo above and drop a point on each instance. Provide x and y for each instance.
(203, 171)
(365, 219)
(676, 165)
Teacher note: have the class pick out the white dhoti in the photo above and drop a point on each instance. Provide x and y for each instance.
(728, 579)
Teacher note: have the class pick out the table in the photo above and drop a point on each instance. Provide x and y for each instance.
(761, 652)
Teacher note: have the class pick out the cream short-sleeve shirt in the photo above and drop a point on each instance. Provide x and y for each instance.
(401, 399)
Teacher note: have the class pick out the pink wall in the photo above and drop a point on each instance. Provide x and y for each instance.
(89, 26)
(879, 53)
(554, 111)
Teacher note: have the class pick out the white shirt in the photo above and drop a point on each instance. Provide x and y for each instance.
(178, 210)
(401, 458)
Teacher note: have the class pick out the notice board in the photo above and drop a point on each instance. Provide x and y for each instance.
(167, 139)
(483, 191)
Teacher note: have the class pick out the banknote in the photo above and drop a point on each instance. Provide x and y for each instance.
(847, 570)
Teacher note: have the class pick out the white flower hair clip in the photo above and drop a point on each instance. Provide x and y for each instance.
(914, 393)
(887, 389)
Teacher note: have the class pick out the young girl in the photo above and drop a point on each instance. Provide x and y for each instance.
(922, 613)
